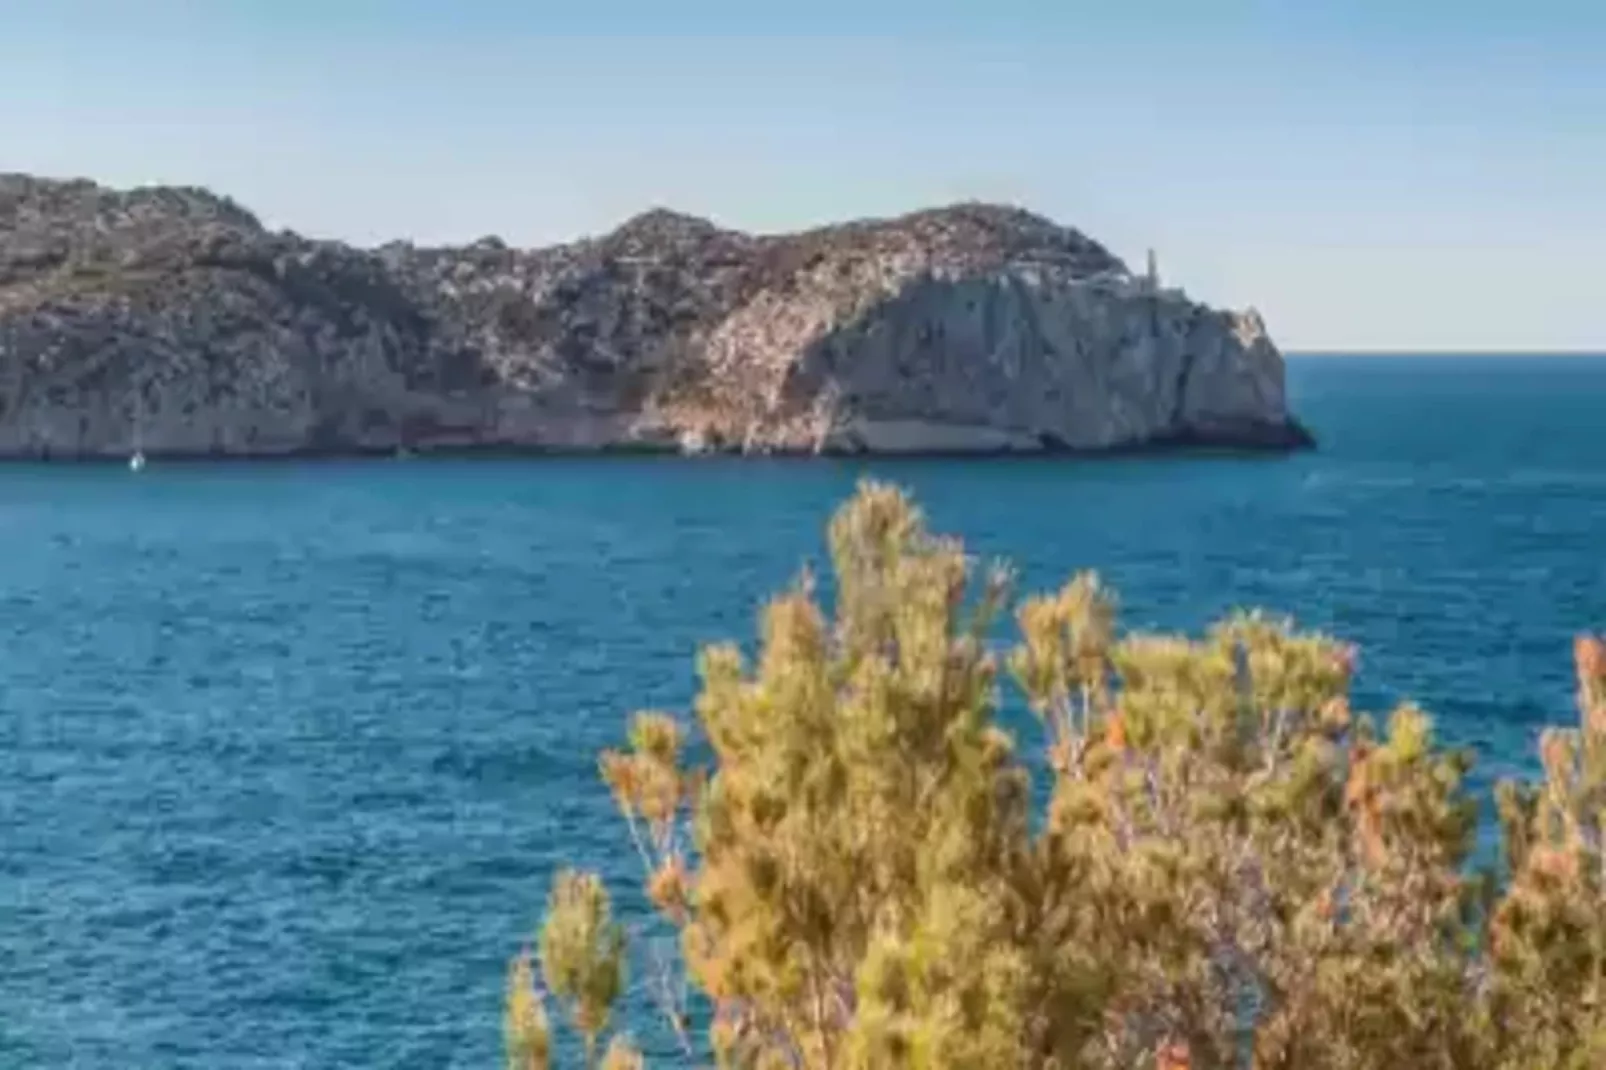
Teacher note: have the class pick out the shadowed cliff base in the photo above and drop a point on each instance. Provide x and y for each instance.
(1268, 442)
(168, 321)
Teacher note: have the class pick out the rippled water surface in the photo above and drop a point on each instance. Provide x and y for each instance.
(288, 751)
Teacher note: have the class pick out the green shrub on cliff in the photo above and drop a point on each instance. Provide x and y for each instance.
(1234, 868)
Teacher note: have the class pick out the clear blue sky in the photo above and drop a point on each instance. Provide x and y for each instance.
(1369, 174)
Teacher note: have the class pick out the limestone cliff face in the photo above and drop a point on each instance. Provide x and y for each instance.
(170, 320)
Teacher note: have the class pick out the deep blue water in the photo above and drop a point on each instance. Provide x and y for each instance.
(288, 751)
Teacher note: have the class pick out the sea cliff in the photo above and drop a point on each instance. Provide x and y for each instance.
(170, 320)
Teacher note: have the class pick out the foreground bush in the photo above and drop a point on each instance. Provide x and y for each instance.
(1234, 869)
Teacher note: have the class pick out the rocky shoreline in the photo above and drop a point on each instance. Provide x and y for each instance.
(170, 322)
(1295, 440)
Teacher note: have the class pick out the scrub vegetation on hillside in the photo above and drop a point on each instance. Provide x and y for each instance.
(1235, 869)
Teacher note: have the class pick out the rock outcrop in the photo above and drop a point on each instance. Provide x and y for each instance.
(171, 321)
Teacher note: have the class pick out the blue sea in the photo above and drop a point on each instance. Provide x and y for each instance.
(289, 751)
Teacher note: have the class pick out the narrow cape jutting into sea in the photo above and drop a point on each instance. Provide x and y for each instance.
(170, 322)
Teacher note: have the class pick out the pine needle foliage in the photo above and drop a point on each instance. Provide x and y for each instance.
(1234, 870)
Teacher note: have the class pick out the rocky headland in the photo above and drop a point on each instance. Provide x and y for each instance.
(170, 321)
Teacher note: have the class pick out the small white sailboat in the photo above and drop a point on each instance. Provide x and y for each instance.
(136, 460)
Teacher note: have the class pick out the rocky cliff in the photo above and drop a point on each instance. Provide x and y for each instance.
(170, 320)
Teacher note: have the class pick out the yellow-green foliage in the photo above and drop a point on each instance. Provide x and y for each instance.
(525, 1031)
(1234, 869)
(582, 953)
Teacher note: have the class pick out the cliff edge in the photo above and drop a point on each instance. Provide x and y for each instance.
(169, 320)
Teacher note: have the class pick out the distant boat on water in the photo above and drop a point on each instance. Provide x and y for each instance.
(136, 463)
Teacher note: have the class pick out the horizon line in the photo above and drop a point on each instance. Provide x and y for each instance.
(1436, 351)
